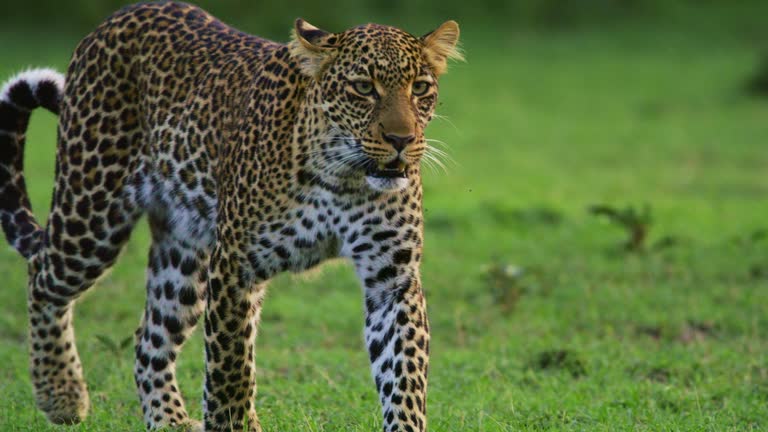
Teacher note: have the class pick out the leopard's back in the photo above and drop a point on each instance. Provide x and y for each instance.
(164, 83)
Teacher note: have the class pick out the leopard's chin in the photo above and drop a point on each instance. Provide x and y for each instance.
(387, 184)
(391, 177)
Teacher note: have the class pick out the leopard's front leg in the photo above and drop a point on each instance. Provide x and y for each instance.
(396, 327)
(232, 316)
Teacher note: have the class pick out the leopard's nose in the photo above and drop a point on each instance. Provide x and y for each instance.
(399, 142)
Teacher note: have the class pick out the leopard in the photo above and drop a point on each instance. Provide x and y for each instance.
(249, 158)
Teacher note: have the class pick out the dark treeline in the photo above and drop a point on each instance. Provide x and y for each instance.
(274, 18)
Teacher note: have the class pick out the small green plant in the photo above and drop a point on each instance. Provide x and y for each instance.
(538, 215)
(697, 331)
(752, 238)
(658, 373)
(115, 348)
(561, 359)
(535, 215)
(505, 281)
(635, 222)
(758, 271)
(758, 83)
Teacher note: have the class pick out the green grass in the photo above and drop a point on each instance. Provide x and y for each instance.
(590, 337)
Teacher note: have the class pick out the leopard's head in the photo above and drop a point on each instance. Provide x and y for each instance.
(376, 87)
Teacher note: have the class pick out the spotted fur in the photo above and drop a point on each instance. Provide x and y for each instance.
(249, 158)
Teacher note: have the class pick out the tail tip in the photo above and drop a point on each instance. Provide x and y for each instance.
(34, 87)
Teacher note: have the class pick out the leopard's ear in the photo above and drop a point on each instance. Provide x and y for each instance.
(312, 47)
(442, 44)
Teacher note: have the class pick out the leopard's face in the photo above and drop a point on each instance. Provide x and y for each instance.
(378, 90)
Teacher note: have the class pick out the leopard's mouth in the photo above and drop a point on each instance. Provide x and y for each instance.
(394, 169)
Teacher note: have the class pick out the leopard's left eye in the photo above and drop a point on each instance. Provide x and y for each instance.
(420, 88)
(364, 88)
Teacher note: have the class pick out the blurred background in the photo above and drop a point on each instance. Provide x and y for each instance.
(596, 248)
(270, 17)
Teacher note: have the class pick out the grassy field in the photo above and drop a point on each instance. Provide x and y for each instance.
(541, 319)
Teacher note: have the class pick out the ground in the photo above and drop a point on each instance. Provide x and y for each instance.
(541, 319)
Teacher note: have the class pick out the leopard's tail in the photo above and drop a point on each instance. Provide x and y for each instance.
(18, 97)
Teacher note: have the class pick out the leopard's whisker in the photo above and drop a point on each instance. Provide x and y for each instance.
(441, 155)
(447, 120)
(437, 141)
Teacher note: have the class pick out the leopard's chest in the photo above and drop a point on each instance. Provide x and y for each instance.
(299, 240)
(309, 234)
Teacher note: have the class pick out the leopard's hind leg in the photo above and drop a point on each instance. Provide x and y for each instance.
(84, 236)
(92, 213)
